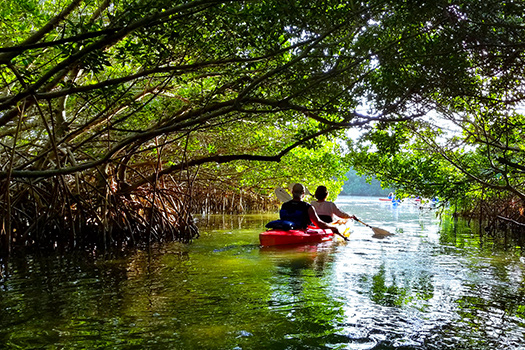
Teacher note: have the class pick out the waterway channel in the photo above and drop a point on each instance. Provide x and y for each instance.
(435, 284)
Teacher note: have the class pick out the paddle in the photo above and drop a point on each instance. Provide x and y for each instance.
(377, 231)
(342, 235)
(284, 196)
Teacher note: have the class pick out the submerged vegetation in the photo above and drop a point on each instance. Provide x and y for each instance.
(119, 120)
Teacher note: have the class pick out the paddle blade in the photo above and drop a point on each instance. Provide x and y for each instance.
(282, 195)
(307, 192)
(380, 232)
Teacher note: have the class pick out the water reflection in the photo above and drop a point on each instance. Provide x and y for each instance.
(426, 287)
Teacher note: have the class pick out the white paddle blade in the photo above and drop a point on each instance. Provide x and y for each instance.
(307, 192)
(282, 195)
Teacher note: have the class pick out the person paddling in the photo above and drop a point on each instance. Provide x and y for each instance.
(302, 213)
(327, 211)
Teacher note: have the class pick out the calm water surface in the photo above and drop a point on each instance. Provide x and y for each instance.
(429, 286)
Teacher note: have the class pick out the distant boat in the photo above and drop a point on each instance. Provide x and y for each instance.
(391, 198)
(414, 200)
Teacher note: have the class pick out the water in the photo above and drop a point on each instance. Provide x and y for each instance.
(426, 287)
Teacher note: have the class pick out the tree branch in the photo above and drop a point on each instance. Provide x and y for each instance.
(8, 56)
(509, 163)
(219, 159)
(98, 45)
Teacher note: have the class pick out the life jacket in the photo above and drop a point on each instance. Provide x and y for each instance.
(296, 212)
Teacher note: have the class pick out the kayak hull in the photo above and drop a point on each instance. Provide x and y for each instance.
(282, 237)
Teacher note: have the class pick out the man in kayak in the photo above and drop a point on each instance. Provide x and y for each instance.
(302, 213)
(326, 210)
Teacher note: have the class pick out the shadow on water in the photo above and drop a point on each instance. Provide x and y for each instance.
(429, 286)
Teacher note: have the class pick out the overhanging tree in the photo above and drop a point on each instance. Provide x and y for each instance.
(469, 150)
(111, 113)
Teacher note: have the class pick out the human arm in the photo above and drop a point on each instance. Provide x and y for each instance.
(320, 223)
(340, 213)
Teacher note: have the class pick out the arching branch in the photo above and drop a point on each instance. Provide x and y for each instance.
(8, 56)
(219, 159)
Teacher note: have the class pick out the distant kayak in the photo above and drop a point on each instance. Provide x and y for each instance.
(310, 235)
(394, 200)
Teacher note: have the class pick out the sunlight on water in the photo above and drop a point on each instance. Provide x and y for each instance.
(429, 286)
(411, 291)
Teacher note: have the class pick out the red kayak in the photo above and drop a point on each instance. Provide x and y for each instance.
(312, 234)
(281, 237)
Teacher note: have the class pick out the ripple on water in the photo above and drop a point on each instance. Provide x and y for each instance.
(420, 289)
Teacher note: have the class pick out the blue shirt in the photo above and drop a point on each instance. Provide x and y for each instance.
(296, 212)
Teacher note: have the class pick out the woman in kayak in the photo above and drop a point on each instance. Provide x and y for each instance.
(327, 211)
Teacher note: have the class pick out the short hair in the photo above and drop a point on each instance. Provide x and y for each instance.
(297, 190)
(321, 192)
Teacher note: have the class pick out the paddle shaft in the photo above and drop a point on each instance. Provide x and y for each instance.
(367, 225)
(377, 230)
(343, 237)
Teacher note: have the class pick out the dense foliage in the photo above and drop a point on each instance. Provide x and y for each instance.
(465, 73)
(122, 118)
